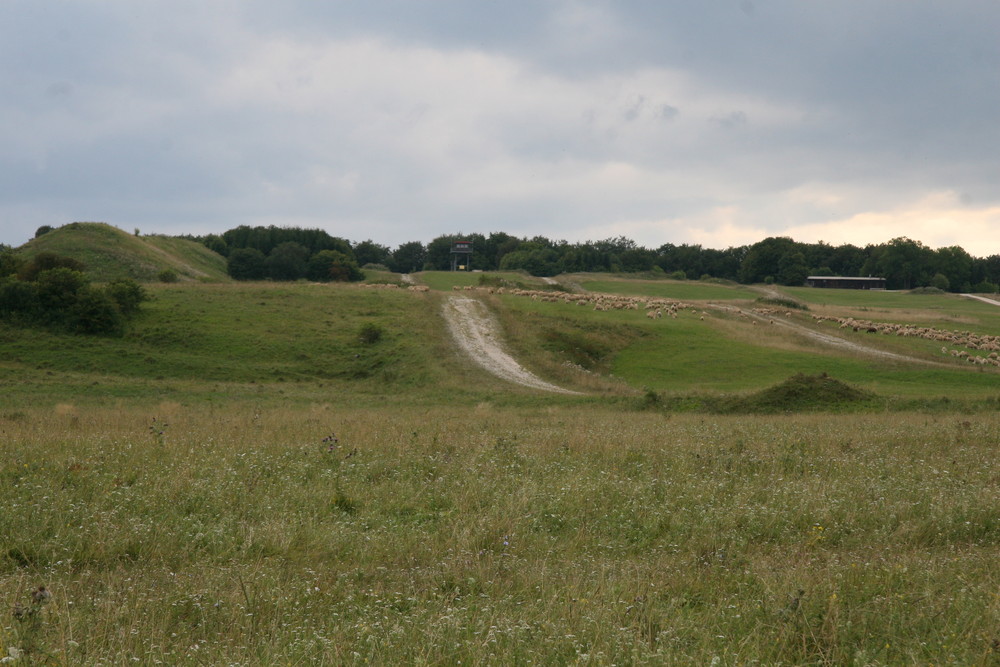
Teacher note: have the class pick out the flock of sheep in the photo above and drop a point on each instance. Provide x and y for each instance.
(412, 288)
(972, 341)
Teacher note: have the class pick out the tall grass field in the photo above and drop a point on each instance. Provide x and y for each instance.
(265, 474)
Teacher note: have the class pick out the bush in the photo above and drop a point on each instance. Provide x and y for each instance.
(327, 265)
(17, 298)
(127, 294)
(985, 287)
(782, 302)
(941, 282)
(58, 290)
(371, 333)
(64, 299)
(95, 312)
(10, 262)
(677, 275)
(167, 276)
(45, 261)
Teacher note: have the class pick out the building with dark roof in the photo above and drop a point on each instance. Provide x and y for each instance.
(845, 282)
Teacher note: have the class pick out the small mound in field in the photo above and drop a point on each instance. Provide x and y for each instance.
(801, 393)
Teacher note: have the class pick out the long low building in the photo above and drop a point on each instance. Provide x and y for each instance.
(845, 282)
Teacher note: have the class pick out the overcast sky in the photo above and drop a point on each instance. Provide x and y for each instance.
(718, 122)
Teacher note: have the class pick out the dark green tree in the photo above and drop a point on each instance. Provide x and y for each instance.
(18, 299)
(409, 258)
(287, 261)
(58, 290)
(246, 264)
(763, 259)
(216, 243)
(369, 252)
(327, 265)
(10, 262)
(439, 252)
(903, 263)
(533, 258)
(956, 265)
(792, 269)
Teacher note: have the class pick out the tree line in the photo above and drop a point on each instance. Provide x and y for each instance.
(290, 253)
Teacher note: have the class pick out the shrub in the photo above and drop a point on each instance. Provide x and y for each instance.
(370, 333)
(985, 287)
(58, 290)
(127, 294)
(327, 265)
(941, 282)
(10, 262)
(782, 302)
(167, 276)
(44, 261)
(17, 297)
(95, 312)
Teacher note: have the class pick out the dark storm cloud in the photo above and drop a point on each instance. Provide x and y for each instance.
(716, 122)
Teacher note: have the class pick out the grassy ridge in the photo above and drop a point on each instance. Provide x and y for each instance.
(110, 253)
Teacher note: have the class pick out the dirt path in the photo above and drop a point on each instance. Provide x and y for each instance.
(992, 302)
(478, 334)
(841, 343)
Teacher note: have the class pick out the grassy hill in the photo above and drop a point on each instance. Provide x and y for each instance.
(279, 341)
(265, 473)
(274, 340)
(110, 253)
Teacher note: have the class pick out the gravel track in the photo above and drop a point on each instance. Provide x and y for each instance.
(477, 333)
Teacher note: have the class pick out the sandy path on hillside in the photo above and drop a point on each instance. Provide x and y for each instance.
(992, 302)
(477, 333)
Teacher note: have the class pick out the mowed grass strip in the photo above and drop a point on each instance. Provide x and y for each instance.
(347, 536)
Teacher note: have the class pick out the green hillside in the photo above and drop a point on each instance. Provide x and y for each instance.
(110, 253)
(211, 338)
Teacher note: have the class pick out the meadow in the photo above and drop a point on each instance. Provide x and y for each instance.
(245, 479)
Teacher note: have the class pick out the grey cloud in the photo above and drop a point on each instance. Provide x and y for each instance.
(111, 112)
(730, 120)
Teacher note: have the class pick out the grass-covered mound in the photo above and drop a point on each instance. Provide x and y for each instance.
(800, 393)
(109, 253)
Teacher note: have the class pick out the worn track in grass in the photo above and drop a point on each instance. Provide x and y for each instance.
(478, 334)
